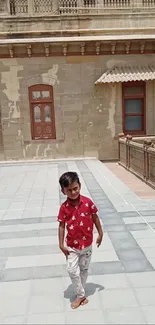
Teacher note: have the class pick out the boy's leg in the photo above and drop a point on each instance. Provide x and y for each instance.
(74, 273)
(84, 262)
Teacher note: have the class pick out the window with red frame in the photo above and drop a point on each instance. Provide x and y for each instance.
(42, 112)
(134, 115)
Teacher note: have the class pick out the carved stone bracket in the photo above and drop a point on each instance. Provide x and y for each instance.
(127, 47)
(142, 47)
(47, 50)
(11, 51)
(83, 49)
(98, 48)
(113, 47)
(64, 49)
(29, 51)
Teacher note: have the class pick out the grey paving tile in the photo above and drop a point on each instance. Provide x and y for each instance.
(99, 192)
(149, 252)
(149, 219)
(141, 265)
(106, 268)
(17, 274)
(14, 306)
(108, 210)
(30, 233)
(47, 286)
(148, 213)
(143, 207)
(111, 281)
(122, 240)
(145, 296)
(118, 298)
(128, 214)
(147, 233)
(123, 207)
(149, 314)
(115, 228)
(29, 250)
(15, 289)
(14, 320)
(50, 271)
(28, 220)
(130, 315)
(137, 226)
(46, 304)
(85, 317)
(130, 254)
(104, 205)
(2, 212)
(111, 221)
(31, 213)
(152, 224)
(10, 214)
(146, 279)
(51, 318)
(3, 260)
(111, 215)
(146, 242)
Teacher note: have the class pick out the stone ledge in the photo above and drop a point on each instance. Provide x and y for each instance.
(47, 141)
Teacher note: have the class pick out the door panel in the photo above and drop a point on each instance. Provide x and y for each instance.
(42, 121)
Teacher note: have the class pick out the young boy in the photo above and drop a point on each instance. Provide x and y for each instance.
(78, 214)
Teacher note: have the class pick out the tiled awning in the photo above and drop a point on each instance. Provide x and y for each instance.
(124, 74)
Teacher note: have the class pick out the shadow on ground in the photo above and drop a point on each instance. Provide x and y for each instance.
(90, 290)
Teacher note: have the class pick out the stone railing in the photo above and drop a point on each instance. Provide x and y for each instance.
(66, 7)
(138, 156)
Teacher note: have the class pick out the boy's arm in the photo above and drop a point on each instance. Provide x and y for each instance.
(98, 226)
(61, 236)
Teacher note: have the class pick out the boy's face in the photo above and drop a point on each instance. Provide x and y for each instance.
(72, 191)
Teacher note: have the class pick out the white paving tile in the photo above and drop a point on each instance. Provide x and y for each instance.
(148, 233)
(146, 242)
(104, 256)
(149, 252)
(25, 242)
(35, 260)
(132, 220)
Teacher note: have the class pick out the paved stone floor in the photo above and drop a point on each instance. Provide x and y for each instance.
(34, 286)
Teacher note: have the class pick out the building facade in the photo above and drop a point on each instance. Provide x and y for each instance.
(75, 74)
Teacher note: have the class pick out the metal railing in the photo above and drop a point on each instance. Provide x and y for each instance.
(138, 157)
(72, 7)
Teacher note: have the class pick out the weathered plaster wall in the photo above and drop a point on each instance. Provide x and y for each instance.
(88, 117)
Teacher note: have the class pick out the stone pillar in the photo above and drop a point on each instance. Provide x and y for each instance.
(55, 6)
(4, 7)
(30, 7)
(1, 139)
(79, 3)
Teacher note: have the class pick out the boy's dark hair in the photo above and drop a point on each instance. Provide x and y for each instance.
(68, 178)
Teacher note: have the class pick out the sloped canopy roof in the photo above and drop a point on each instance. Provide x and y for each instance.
(124, 74)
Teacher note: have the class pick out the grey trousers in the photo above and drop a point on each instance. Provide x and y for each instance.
(77, 266)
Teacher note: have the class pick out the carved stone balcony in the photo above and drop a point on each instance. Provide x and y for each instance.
(71, 7)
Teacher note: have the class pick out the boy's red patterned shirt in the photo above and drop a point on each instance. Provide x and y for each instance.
(79, 222)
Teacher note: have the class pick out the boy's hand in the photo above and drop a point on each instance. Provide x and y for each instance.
(99, 240)
(64, 250)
